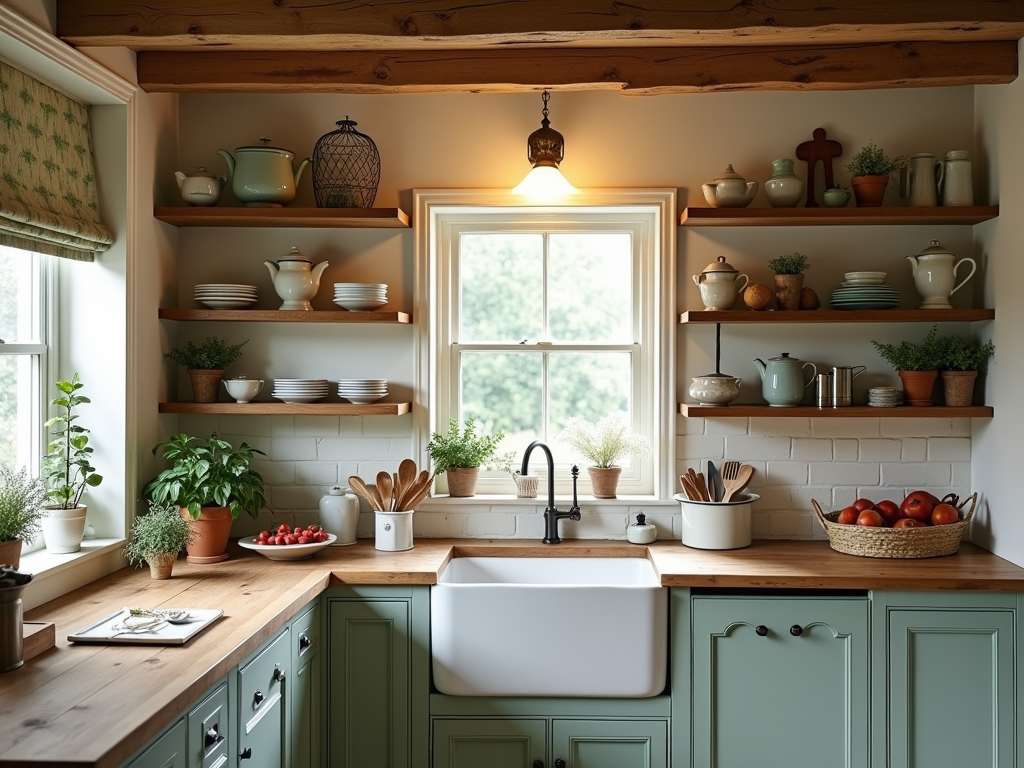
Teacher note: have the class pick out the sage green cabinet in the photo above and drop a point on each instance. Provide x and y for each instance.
(490, 742)
(307, 670)
(210, 735)
(263, 705)
(779, 681)
(168, 751)
(609, 743)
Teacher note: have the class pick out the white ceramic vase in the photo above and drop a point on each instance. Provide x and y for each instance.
(63, 530)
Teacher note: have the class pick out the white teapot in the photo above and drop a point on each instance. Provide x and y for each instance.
(719, 284)
(295, 278)
(729, 190)
(200, 187)
(935, 275)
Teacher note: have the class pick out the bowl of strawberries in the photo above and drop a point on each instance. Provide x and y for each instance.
(287, 543)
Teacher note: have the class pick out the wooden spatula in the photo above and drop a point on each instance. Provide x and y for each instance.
(384, 488)
(370, 494)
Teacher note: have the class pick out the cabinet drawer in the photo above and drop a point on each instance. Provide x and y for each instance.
(209, 731)
(306, 636)
(166, 752)
(261, 681)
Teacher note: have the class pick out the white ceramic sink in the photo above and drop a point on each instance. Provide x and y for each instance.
(511, 626)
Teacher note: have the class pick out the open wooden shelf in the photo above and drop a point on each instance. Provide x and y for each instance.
(381, 218)
(816, 217)
(855, 411)
(838, 316)
(284, 316)
(287, 409)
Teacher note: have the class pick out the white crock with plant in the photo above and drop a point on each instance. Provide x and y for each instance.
(67, 472)
(603, 445)
(157, 537)
(459, 454)
(21, 513)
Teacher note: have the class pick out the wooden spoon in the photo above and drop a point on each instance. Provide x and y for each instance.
(404, 479)
(421, 494)
(735, 479)
(370, 494)
(689, 489)
(384, 487)
(421, 482)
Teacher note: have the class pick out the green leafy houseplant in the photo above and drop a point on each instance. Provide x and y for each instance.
(213, 354)
(463, 448)
(789, 264)
(872, 161)
(907, 356)
(67, 466)
(605, 443)
(960, 354)
(208, 473)
(21, 505)
(161, 531)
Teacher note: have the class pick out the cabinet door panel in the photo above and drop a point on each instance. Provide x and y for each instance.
(610, 743)
(304, 697)
(951, 688)
(166, 752)
(262, 709)
(209, 731)
(497, 743)
(780, 699)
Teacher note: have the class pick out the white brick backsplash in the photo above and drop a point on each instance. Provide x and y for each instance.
(787, 473)
(244, 526)
(686, 425)
(918, 475)
(791, 525)
(845, 449)
(843, 496)
(246, 425)
(529, 526)
(199, 425)
(871, 449)
(275, 472)
(747, 447)
(293, 497)
(914, 449)
(845, 427)
(960, 427)
(437, 525)
(772, 497)
(786, 426)
(350, 426)
(317, 473)
(293, 449)
(253, 441)
(760, 524)
(343, 448)
(700, 447)
(960, 475)
(899, 427)
(282, 426)
(316, 426)
(490, 524)
(660, 520)
(805, 449)
(802, 498)
(949, 449)
(843, 473)
(723, 426)
(593, 525)
(388, 426)
(306, 518)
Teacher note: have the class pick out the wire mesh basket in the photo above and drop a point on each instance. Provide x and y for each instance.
(346, 168)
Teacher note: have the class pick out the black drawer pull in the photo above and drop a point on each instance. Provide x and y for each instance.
(796, 630)
(245, 754)
(212, 737)
(559, 763)
(538, 764)
(278, 674)
(305, 641)
(761, 630)
(257, 698)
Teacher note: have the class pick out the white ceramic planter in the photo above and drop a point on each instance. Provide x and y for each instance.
(715, 524)
(63, 530)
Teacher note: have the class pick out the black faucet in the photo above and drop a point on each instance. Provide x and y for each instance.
(551, 514)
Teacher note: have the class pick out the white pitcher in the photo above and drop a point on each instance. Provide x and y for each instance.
(935, 275)
(920, 180)
(296, 280)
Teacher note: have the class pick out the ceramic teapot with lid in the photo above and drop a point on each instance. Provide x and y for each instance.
(295, 278)
(200, 187)
(720, 284)
(262, 177)
(935, 275)
(782, 380)
(729, 190)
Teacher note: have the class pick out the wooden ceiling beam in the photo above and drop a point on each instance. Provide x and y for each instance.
(468, 24)
(636, 71)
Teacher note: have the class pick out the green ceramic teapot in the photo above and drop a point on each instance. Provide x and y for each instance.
(262, 177)
(782, 380)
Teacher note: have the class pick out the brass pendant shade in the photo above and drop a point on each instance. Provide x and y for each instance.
(545, 149)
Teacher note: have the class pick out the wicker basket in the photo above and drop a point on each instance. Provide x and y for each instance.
(905, 543)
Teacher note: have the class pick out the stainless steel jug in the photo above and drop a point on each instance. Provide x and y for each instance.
(12, 584)
(842, 384)
(823, 393)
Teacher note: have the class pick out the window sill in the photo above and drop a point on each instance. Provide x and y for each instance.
(440, 502)
(54, 575)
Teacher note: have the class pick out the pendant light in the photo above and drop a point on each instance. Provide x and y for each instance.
(545, 149)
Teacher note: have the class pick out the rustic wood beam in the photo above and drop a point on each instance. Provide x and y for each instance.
(638, 71)
(437, 24)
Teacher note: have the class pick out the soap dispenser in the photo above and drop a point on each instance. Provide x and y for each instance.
(641, 532)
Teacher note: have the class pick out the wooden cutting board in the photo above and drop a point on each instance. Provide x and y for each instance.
(39, 636)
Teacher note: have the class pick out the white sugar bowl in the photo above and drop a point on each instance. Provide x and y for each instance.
(243, 389)
(715, 389)
(720, 284)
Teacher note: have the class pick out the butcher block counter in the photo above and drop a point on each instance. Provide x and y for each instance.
(96, 705)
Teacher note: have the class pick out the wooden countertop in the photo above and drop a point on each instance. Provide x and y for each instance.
(94, 705)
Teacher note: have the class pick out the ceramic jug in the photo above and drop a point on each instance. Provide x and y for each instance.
(200, 187)
(784, 189)
(920, 180)
(262, 177)
(720, 284)
(729, 190)
(339, 514)
(782, 380)
(935, 275)
(957, 184)
(296, 280)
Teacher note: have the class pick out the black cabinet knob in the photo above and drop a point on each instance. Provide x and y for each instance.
(304, 642)
(538, 764)
(212, 737)
(796, 630)
(278, 674)
(761, 630)
(257, 698)
(559, 763)
(245, 754)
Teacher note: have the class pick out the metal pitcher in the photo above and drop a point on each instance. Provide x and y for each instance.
(842, 384)
(920, 179)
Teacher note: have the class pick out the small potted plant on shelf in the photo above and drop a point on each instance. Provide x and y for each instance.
(67, 471)
(212, 482)
(917, 366)
(871, 170)
(789, 278)
(157, 537)
(205, 365)
(22, 498)
(460, 454)
(836, 196)
(603, 445)
(961, 362)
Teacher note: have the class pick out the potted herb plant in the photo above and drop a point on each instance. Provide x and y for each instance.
(603, 445)
(789, 278)
(460, 454)
(961, 361)
(205, 365)
(212, 482)
(67, 471)
(917, 366)
(871, 170)
(157, 537)
(22, 498)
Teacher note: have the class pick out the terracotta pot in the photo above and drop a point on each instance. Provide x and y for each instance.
(160, 565)
(462, 481)
(917, 386)
(205, 384)
(958, 387)
(212, 531)
(10, 553)
(869, 191)
(787, 290)
(604, 481)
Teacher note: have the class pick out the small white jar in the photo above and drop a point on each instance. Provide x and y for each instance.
(339, 514)
(641, 532)
(393, 530)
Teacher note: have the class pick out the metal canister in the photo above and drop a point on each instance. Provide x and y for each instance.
(842, 384)
(12, 584)
(824, 390)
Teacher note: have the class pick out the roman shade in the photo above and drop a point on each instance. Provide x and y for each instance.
(48, 198)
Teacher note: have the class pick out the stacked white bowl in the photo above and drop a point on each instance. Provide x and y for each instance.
(362, 391)
(360, 297)
(225, 295)
(300, 390)
(865, 290)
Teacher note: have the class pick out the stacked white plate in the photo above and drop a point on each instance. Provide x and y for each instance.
(362, 391)
(864, 278)
(360, 297)
(865, 297)
(885, 397)
(225, 295)
(300, 390)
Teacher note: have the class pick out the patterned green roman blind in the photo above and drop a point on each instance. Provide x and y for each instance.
(48, 200)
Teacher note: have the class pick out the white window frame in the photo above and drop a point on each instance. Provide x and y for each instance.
(439, 210)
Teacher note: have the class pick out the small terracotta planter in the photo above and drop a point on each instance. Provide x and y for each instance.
(213, 528)
(604, 481)
(161, 565)
(917, 387)
(205, 384)
(10, 553)
(462, 481)
(869, 191)
(958, 387)
(787, 291)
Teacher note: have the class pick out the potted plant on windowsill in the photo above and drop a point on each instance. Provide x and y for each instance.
(961, 362)
(205, 365)
(67, 472)
(21, 513)
(871, 170)
(460, 454)
(603, 445)
(212, 482)
(917, 366)
(157, 537)
(789, 278)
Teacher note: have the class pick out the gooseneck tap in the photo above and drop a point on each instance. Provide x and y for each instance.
(551, 513)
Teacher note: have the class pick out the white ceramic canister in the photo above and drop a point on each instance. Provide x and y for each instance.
(393, 530)
(339, 514)
(720, 284)
(641, 532)
(717, 524)
(957, 183)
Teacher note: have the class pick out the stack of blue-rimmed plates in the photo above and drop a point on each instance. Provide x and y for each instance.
(865, 297)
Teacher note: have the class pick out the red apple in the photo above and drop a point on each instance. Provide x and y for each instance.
(889, 510)
(909, 522)
(848, 516)
(870, 518)
(918, 505)
(944, 514)
(861, 504)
